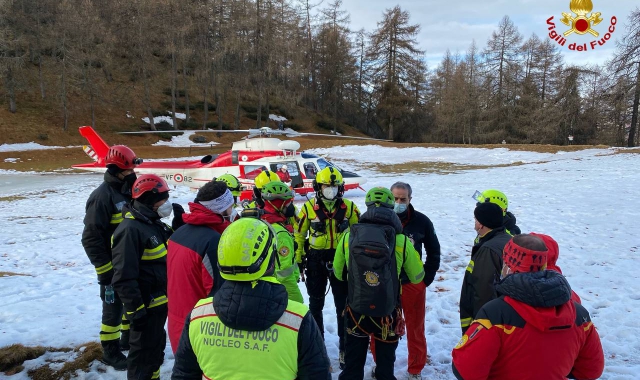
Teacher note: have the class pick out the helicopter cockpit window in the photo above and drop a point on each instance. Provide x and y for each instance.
(310, 170)
(252, 171)
(324, 163)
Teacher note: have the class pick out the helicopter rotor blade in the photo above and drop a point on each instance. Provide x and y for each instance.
(187, 130)
(299, 134)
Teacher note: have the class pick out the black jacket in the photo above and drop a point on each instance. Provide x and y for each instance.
(481, 274)
(419, 229)
(243, 307)
(140, 257)
(509, 223)
(103, 214)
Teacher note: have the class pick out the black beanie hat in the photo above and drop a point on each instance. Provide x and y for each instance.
(489, 215)
(150, 198)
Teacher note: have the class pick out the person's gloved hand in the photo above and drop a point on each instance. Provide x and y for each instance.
(178, 211)
(106, 277)
(138, 319)
(429, 277)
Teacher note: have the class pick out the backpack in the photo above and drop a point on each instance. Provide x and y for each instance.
(373, 284)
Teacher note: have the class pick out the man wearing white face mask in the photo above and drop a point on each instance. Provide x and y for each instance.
(324, 219)
(193, 251)
(139, 247)
(419, 229)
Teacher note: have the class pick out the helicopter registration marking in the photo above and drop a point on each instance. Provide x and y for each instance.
(177, 178)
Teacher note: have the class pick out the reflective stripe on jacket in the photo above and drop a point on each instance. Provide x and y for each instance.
(219, 349)
(321, 240)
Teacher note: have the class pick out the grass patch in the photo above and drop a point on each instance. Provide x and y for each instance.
(12, 357)
(12, 360)
(254, 116)
(87, 354)
(12, 198)
(328, 125)
(9, 274)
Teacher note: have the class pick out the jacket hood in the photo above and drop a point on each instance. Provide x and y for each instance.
(250, 306)
(382, 215)
(202, 216)
(541, 298)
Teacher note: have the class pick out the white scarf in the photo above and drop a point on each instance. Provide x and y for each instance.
(220, 204)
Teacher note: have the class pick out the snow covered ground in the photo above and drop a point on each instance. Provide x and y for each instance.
(588, 201)
(183, 141)
(28, 146)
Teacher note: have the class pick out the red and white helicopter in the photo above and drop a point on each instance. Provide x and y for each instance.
(246, 159)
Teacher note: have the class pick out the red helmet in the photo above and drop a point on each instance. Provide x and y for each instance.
(146, 183)
(122, 156)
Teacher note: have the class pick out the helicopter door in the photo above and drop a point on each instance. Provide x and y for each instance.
(294, 172)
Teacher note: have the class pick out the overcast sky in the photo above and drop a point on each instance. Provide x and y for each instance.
(454, 25)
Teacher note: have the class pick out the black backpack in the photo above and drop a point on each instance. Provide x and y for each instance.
(374, 287)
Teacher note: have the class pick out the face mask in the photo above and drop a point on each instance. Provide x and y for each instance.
(399, 208)
(165, 209)
(232, 216)
(130, 179)
(330, 192)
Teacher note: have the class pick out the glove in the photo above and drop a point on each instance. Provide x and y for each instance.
(138, 319)
(106, 277)
(178, 211)
(429, 277)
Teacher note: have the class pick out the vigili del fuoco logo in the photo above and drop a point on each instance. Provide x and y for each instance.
(581, 21)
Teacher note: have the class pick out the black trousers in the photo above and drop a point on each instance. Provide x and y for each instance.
(317, 276)
(112, 318)
(147, 346)
(357, 346)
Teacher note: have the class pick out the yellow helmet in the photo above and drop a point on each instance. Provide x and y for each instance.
(497, 197)
(265, 177)
(247, 250)
(232, 183)
(329, 176)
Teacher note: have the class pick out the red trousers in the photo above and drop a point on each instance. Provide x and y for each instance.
(413, 300)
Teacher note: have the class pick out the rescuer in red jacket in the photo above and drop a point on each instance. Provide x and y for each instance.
(192, 271)
(533, 330)
(552, 259)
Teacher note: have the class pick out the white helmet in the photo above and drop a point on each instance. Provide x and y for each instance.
(285, 167)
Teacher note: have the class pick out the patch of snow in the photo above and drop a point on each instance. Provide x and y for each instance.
(12, 160)
(129, 116)
(183, 141)
(26, 146)
(181, 116)
(159, 119)
(277, 117)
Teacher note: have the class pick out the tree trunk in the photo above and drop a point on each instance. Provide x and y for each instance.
(185, 84)
(236, 121)
(63, 78)
(42, 88)
(174, 85)
(10, 83)
(634, 115)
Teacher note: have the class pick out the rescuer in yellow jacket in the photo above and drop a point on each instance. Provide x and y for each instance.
(250, 319)
(322, 221)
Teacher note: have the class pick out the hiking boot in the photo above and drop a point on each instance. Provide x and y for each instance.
(414, 377)
(124, 340)
(112, 356)
(341, 360)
